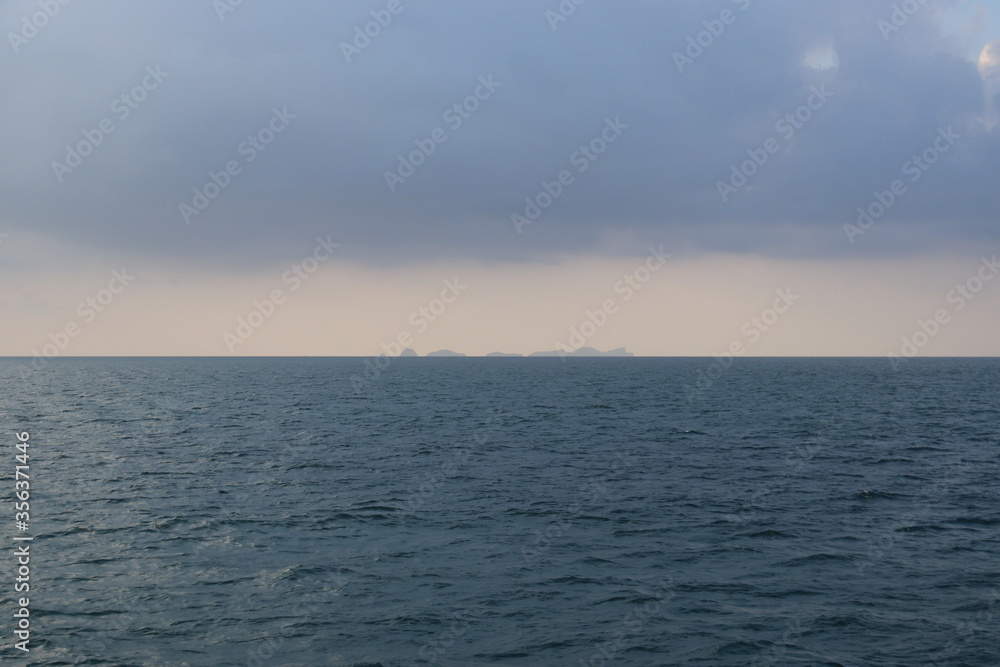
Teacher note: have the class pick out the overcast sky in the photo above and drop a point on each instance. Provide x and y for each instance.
(739, 135)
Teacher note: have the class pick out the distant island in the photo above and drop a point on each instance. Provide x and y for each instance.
(585, 352)
(582, 352)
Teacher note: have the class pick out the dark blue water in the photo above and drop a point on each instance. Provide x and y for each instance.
(507, 512)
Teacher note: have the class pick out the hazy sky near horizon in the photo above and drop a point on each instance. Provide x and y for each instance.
(225, 153)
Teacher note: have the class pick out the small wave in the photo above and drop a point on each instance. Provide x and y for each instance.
(374, 508)
(868, 495)
(517, 511)
(815, 558)
(768, 593)
(165, 523)
(572, 579)
(296, 572)
(222, 582)
(976, 521)
(770, 534)
(837, 621)
(919, 528)
(95, 561)
(740, 648)
(594, 560)
(336, 518)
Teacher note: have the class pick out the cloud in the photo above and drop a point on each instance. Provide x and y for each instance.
(325, 173)
(989, 69)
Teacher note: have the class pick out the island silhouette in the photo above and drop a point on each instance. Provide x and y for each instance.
(581, 352)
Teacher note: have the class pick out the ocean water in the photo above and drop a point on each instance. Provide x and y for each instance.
(506, 512)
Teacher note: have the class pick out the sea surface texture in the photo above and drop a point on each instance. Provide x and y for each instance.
(213, 512)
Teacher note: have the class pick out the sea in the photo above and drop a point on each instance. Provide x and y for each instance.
(501, 511)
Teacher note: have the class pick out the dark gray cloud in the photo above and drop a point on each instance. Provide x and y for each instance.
(324, 172)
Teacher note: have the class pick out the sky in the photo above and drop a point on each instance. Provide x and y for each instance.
(680, 178)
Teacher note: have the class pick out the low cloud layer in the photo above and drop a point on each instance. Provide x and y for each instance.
(420, 140)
